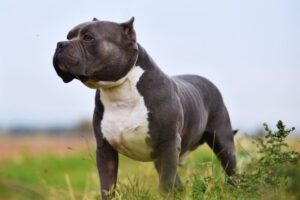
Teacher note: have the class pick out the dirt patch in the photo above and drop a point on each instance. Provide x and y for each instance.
(15, 146)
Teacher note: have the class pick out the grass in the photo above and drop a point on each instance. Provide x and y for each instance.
(268, 169)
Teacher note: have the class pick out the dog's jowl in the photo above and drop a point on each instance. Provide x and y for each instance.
(140, 111)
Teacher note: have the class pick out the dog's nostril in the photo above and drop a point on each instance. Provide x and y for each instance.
(60, 45)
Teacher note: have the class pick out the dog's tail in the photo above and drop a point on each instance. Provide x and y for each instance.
(235, 131)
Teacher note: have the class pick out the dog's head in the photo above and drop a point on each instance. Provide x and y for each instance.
(97, 51)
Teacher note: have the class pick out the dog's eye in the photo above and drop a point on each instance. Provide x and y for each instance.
(87, 37)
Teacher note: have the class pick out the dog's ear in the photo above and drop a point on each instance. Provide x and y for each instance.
(128, 29)
(95, 19)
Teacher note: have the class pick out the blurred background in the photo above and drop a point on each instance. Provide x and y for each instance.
(249, 49)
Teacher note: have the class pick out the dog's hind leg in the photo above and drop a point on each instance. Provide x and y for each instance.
(222, 143)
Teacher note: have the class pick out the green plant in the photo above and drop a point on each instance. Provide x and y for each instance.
(270, 171)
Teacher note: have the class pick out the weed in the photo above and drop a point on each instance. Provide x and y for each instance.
(270, 172)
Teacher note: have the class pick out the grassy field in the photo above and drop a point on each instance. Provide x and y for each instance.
(74, 176)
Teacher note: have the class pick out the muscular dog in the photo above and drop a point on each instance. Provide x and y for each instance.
(140, 111)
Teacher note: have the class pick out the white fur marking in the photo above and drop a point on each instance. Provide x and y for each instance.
(125, 119)
(106, 84)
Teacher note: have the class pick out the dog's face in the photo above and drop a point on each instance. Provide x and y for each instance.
(97, 51)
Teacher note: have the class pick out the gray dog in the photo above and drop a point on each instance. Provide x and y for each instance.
(141, 112)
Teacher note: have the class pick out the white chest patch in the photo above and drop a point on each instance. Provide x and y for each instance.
(125, 118)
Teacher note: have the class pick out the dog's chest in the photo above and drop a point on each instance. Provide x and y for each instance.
(125, 119)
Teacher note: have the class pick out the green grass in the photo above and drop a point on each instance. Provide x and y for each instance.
(34, 177)
(47, 176)
(75, 176)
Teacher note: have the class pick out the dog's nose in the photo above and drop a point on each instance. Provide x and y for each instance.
(61, 45)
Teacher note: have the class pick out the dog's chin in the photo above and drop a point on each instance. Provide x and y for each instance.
(82, 78)
(101, 84)
(92, 84)
(104, 84)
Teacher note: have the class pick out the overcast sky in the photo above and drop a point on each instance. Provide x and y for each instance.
(249, 49)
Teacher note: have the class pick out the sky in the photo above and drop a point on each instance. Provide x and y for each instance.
(249, 49)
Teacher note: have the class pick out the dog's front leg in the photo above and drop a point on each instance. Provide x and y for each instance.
(168, 159)
(106, 156)
(107, 163)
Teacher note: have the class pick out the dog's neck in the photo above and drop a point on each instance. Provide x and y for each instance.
(145, 61)
(126, 90)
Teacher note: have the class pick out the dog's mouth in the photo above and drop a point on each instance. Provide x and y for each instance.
(63, 68)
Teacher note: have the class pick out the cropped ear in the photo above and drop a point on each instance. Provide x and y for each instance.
(95, 19)
(128, 29)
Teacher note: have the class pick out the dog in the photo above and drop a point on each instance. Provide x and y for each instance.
(140, 111)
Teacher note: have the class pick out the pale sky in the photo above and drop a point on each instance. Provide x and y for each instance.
(249, 49)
